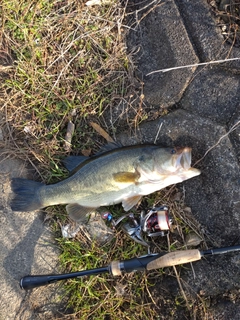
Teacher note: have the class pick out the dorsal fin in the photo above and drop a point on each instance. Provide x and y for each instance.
(110, 146)
(71, 162)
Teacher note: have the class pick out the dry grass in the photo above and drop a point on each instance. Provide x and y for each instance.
(228, 16)
(135, 295)
(61, 61)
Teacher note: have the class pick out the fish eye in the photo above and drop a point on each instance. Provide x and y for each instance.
(173, 151)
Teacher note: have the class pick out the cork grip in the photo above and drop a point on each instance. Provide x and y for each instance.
(174, 258)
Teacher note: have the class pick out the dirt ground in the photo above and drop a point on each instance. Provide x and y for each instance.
(202, 105)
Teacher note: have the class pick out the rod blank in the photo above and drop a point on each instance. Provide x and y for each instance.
(117, 268)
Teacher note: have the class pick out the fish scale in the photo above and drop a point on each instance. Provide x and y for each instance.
(122, 174)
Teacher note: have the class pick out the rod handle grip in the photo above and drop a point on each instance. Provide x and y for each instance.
(174, 258)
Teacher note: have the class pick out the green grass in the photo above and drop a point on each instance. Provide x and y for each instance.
(69, 62)
(62, 61)
(130, 296)
(93, 297)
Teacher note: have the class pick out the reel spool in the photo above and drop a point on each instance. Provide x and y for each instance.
(156, 222)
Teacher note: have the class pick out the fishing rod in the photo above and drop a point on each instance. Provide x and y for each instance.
(117, 268)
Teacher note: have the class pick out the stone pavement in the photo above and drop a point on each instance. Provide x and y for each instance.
(27, 246)
(203, 104)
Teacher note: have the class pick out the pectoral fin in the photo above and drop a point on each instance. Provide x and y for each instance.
(126, 177)
(130, 202)
(78, 213)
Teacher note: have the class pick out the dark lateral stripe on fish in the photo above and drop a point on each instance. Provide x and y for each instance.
(119, 175)
(112, 151)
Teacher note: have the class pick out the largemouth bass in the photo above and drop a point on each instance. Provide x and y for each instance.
(122, 175)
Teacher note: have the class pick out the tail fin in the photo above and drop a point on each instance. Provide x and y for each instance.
(26, 195)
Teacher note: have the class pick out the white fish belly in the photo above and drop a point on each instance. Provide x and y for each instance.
(108, 198)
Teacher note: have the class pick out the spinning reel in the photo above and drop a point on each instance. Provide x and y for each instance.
(155, 222)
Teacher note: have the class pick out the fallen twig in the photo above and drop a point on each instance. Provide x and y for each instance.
(192, 65)
(234, 127)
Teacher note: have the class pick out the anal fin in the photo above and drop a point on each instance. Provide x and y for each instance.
(78, 213)
(130, 202)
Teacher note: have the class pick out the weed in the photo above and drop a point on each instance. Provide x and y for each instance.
(227, 14)
(95, 296)
(65, 62)
(70, 63)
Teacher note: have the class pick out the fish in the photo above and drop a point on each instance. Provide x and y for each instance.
(120, 175)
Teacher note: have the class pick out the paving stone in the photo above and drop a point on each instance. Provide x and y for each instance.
(225, 309)
(205, 35)
(220, 169)
(213, 276)
(169, 36)
(162, 42)
(27, 247)
(235, 134)
(214, 196)
(213, 94)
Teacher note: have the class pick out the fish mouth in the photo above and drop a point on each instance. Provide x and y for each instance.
(184, 158)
